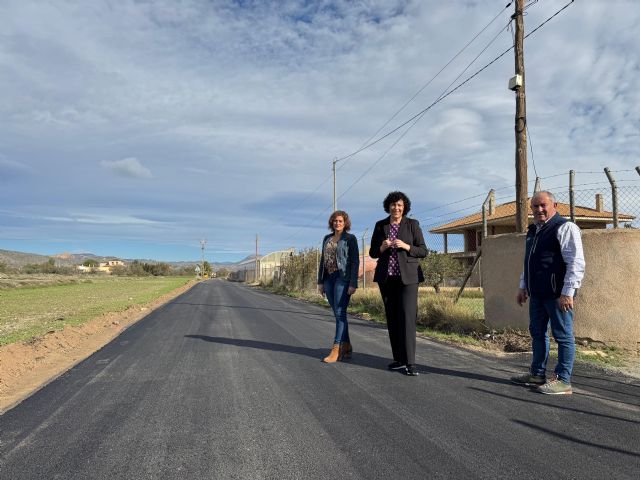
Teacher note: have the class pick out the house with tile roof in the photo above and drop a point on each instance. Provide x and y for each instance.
(502, 219)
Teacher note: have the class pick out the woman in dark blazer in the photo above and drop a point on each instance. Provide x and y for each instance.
(398, 244)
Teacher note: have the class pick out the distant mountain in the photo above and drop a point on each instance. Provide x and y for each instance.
(20, 259)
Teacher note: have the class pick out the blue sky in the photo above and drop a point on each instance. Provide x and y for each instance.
(137, 128)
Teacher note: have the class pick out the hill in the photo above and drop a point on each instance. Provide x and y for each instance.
(20, 259)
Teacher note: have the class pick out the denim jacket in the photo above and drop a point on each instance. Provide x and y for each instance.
(348, 258)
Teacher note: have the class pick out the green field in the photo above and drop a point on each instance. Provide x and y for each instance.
(30, 311)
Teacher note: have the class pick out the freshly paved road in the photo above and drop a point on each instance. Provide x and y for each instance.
(226, 382)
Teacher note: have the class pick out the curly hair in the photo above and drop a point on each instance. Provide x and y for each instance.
(394, 197)
(345, 217)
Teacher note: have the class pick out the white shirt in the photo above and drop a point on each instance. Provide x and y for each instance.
(568, 235)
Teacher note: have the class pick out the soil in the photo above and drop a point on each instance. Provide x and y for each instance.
(25, 367)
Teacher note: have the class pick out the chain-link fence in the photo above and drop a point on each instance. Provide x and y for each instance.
(607, 202)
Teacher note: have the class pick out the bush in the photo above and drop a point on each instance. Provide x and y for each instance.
(300, 271)
(444, 315)
(438, 267)
(47, 267)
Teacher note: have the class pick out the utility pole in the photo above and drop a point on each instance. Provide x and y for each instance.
(203, 242)
(518, 85)
(335, 200)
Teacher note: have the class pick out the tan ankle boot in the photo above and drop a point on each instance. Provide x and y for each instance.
(345, 350)
(334, 355)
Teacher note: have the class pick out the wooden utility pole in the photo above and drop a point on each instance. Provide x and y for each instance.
(522, 221)
(203, 242)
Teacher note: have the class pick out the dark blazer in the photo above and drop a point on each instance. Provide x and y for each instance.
(409, 232)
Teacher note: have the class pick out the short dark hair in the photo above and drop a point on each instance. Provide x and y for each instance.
(345, 217)
(394, 197)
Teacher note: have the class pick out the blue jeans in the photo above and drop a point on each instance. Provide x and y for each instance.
(541, 313)
(336, 289)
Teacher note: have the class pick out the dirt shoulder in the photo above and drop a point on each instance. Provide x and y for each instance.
(25, 367)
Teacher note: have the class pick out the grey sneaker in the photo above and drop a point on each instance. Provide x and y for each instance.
(529, 380)
(555, 387)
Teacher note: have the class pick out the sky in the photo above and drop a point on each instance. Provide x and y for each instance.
(136, 129)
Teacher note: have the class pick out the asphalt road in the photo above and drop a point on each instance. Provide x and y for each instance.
(226, 382)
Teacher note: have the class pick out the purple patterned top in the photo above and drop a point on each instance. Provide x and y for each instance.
(394, 266)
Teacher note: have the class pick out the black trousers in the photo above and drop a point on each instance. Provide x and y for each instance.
(401, 309)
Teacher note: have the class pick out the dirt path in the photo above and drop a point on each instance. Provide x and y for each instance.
(25, 367)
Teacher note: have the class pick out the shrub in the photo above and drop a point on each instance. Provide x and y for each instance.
(444, 315)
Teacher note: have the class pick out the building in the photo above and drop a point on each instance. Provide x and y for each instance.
(502, 219)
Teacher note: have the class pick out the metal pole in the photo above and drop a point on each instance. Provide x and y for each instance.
(536, 188)
(614, 196)
(335, 200)
(572, 196)
(364, 264)
(484, 212)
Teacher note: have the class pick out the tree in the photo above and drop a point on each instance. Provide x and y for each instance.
(207, 268)
(440, 266)
(222, 272)
(90, 262)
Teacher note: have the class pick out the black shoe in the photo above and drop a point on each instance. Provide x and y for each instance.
(411, 370)
(396, 366)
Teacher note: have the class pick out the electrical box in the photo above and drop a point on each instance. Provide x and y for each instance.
(515, 82)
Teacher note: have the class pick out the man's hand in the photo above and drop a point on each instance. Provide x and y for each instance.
(565, 303)
(351, 290)
(321, 289)
(522, 296)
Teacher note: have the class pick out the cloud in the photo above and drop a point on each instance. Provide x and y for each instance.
(127, 167)
(12, 167)
(236, 110)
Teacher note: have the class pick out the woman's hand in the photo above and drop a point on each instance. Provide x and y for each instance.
(400, 244)
(386, 244)
(351, 290)
(321, 289)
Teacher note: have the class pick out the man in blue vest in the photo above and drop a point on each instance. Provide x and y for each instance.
(553, 271)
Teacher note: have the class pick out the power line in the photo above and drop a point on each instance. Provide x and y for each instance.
(405, 105)
(418, 117)
(421, 89)
(420, 114)
(452, 91)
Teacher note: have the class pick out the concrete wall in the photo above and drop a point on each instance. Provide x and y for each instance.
(607, 305)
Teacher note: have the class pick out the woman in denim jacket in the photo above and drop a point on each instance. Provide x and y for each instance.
(338, 279)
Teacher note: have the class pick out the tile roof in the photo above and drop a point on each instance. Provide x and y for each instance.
(505, 212)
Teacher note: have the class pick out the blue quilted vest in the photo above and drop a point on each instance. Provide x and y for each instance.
(544, 267)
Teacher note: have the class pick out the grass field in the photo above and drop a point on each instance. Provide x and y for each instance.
(30, 311)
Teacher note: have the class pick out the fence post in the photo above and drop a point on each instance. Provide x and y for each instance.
(614, 196)
(484, 212)
(638, 170)
(364, 264)
(572, 198)
(536, 187)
